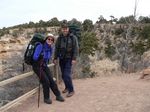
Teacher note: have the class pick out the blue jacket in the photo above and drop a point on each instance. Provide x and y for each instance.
(45, 50)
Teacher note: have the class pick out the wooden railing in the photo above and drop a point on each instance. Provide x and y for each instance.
(26, 95)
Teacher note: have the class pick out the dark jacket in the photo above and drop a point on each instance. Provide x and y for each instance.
(66, 47)
(43, 51)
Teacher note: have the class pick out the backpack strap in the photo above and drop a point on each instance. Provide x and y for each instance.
(41, 53)
(72, 37)
(72, 41)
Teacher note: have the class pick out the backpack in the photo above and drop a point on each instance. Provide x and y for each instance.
(36, 39)
(75, 30)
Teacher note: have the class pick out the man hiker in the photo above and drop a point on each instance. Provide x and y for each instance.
(66, 49)
(41, 56)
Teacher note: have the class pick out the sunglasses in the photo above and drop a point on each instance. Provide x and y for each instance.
(50, 39)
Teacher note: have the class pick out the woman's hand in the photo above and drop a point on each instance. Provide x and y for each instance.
(55, 61)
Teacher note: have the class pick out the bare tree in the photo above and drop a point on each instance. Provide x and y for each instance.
(135, 8)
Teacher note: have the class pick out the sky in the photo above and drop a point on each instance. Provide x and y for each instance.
(14, 12)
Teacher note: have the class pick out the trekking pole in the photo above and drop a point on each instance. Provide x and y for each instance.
(23, 66)
(39, 95)
(39, 84)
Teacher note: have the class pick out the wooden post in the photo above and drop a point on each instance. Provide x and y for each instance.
(23, 67)
(56, 73)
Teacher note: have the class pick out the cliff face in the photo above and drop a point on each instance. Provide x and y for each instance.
(12, 48)
(11, 54)
(9, 45)
(11, 58)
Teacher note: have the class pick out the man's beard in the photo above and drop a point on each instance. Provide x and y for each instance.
(65, 34)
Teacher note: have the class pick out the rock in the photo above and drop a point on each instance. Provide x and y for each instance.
(12, 41)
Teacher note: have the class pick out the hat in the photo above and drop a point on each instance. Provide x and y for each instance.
(50, 35)
(64, 26)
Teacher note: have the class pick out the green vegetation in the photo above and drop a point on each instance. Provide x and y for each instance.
(88, 46)
(145, 33)
(139, 48)
(109, 50)
(89, 43)
(101, 19)
(4, 31)
(55, 22)
(143, 42)
(88, 25)
(143, 19)
(119, 31)
(125, 20)
(130, 36)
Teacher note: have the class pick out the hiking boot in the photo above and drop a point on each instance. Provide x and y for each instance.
(48, 101)
(70, 94)
(65, 90)
(60, 98)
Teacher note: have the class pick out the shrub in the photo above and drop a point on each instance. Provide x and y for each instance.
(110, 50)
(119, 31)
(89, 43)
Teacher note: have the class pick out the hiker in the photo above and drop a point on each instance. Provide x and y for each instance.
(66, 50)
(41, 56)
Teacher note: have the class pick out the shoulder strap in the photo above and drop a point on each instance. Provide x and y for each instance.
(72, 41)
(38, 43)
(59, 41)
(72, 36)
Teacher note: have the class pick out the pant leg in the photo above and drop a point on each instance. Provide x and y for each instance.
(52, 83)
(43, 79)
(67, 75)
(62, 66)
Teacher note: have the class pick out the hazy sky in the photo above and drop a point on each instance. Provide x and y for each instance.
(13, 12)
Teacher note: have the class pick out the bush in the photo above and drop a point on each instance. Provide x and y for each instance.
(89, 43)
(110, 50)
(119, 31)
(139, 48)
(145, 33)
(87, 25)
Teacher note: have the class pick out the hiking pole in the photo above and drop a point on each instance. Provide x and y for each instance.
(39, 95)
(23, 66)
(39, 84)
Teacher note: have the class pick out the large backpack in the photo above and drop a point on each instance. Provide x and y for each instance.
(74, 29)
(36, 39)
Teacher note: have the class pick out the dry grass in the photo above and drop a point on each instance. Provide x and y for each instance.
(104, 66)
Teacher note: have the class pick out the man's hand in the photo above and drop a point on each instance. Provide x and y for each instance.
(74, 62)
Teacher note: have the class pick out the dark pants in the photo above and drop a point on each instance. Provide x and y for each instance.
(66, 65)
(46, 79)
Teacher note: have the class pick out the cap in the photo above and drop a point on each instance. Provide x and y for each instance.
(50, 35)
(64, 24)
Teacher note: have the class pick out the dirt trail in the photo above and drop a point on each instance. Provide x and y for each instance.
(102, 94)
